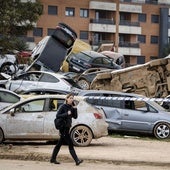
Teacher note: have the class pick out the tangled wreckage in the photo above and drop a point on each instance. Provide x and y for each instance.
(151, 79)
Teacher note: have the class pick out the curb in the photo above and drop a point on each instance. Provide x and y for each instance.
(46, 157)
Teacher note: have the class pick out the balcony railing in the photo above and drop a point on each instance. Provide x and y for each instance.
(129, 23)
(128, 44)
(145, 2)
(99, 42)
(121, 44)
(102, 21)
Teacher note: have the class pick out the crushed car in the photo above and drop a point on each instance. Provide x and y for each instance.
(51, 51)
(38, 80)
(8, 64)
(151, 79)
(128, 112)
(80, 62)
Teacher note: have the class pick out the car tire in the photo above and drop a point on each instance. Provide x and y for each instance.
(8, 68)
(1, 136)
(68, 27)
(84, 84)
(81, 136)
(162, 130)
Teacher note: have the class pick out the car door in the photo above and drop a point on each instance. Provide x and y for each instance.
(140, 117)
(97, 62)
(26, 120)
(25, 82)
(112, 110)
(52, 82)
(50, 115)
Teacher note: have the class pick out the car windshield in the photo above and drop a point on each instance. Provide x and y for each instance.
(71, 82)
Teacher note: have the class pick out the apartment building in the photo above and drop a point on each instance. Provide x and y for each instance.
(139, 29)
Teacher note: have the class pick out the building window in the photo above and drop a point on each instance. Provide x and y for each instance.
(154, 39)
(50, 31)
(168, 21)
(142, 17)
(69, 11)
(168, 40)
(140, 60)
(84, 35)
(142, 38)
(52, 10)
(30, 39)
(155, 18)
(38, 32)
(84, 13)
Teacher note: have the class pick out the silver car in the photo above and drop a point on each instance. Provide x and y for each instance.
(33, 119)
(131, 112)
(40, 80)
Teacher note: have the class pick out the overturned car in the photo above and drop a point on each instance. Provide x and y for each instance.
(151, 79)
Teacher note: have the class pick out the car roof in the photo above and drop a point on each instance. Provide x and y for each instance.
(46, 72)
(9, 91)
(43, 90)
(84, 92)
(93, 54)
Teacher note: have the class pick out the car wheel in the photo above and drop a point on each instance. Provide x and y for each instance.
(84, 84)
(162, 130)
(1, 136)
(81, 136)
(8, 68)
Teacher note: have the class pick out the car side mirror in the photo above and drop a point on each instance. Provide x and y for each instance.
(12, 112)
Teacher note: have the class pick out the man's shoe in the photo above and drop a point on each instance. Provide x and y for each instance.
(54, 161)
(79, 162)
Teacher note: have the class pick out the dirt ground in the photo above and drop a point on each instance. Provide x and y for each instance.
(125, 152)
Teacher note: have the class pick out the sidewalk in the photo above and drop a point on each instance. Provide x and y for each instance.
(114, 150)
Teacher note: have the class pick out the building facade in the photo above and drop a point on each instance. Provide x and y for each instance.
(139, 29)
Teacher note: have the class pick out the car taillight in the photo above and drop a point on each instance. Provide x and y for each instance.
(98, 115)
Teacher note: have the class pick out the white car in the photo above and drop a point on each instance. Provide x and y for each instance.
(33, 119)
(40, 80)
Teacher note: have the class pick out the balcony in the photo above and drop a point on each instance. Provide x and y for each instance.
(102, 21)
(108, 6)
(128, 44)
(130, 51)
(155, 2)
(130, 8)
(102, 25)
(128, 48)
(129, 23)
(128, 27)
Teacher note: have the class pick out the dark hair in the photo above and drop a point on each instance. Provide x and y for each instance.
(68, 95)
